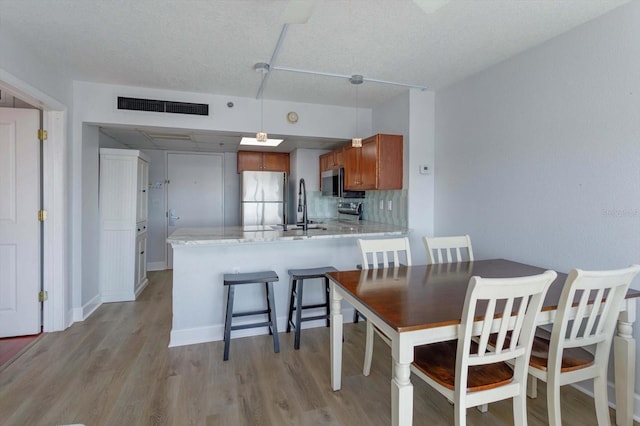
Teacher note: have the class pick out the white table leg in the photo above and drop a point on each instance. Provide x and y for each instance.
(624, 347)
(336, 339)
(401, 395)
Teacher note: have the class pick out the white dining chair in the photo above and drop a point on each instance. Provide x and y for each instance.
(562, 359)
(468, 371)
(448, 249)
(381, 253)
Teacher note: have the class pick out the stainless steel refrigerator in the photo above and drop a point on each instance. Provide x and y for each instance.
(264, 198)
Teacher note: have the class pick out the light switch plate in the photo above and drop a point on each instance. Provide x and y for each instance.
(425, 169)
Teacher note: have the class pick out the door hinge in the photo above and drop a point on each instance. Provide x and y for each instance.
(42, 134)
(42, 215)
(43, 296)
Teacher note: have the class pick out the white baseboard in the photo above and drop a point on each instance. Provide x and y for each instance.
(611, 393)
(215, 333)
(156, 266)
(68, 319)
(141, 287)
(82, 313)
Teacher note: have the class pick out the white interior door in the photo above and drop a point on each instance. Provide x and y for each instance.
(195, 193)
(19, 225)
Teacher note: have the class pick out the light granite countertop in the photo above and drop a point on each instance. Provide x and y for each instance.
(317, 230)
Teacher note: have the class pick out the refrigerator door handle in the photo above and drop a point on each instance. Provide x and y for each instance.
(285, 193)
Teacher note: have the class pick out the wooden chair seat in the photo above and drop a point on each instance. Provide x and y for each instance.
(467, 371)
(596, 297)
(572, 358)
(438, 361)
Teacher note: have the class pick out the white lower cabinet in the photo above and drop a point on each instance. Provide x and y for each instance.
(123, 224)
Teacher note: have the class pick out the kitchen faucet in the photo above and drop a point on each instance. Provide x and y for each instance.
(302, 206)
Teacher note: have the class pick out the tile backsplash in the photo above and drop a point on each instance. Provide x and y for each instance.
(325, 207)
(396, 199)
(319, 206)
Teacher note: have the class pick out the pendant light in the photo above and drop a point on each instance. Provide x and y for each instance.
(356, 79)
(261, 136)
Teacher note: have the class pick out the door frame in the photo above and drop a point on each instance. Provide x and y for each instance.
(55, 313)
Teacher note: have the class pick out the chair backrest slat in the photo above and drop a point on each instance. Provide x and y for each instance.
(530, 292)
(595, 321)
(448, 249)
(377, 253)
(504, 326)
(597, 304)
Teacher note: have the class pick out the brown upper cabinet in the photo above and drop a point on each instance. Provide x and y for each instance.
(332, 160)
(263, 161)
(376, 165)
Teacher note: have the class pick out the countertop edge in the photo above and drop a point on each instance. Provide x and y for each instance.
(193, 237)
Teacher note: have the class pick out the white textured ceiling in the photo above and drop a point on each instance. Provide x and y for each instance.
(211, 46)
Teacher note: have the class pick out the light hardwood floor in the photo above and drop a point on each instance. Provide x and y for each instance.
(115, 369)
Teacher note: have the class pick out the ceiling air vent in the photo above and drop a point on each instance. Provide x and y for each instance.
(153, 105)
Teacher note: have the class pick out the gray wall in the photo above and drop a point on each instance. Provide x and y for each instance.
(538, 157)
(90, 219)
(156, 237)
(412, 115)
(21, 61)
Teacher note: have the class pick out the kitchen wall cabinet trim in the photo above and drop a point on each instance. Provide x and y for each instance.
(124, 186)
(263, 161)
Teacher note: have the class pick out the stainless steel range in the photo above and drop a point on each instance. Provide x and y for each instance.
(350, 211)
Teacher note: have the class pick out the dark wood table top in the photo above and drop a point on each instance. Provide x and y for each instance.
(429, 296)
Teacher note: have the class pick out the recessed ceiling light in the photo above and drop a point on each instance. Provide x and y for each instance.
(253, 141)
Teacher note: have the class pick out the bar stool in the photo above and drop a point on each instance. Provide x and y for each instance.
(296, 293)
(231, 280)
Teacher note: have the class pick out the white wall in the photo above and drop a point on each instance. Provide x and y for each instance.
(157, 225)
(42, 84)
(538, 157)
(18, 59)
(231, 190)
(108, 142)
(412, 115)
(90, 222)
(305, 165)
(157, 204)
(96, 104)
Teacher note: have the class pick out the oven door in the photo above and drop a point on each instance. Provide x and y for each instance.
(331, 184)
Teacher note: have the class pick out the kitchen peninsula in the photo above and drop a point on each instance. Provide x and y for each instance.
(202, 255)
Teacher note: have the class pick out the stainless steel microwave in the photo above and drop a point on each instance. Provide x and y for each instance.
(333, 185)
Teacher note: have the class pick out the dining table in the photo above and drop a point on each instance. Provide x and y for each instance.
(417, 305)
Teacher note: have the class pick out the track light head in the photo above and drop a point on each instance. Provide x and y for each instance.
(356, 79)
(262, 67)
